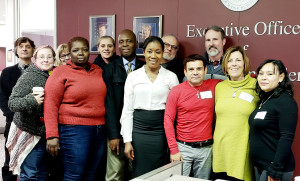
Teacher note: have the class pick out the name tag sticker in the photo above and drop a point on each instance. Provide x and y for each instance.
(206, 95)
(260, 115)
(247, 97)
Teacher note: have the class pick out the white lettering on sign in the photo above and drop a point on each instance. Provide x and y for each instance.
(293, 76)
(192, 31)
(260, 28)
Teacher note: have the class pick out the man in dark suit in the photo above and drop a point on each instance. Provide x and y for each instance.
(24, 48)
(114, 75)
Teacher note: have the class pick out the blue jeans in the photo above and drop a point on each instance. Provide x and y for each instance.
(34, 165)
(82, 148)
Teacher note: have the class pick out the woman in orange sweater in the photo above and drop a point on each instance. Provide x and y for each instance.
(74, 113)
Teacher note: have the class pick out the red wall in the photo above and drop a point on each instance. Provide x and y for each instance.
(73, 20)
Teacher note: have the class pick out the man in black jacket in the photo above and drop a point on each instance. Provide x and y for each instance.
(114, 75)
(170, 62)
(24, 48)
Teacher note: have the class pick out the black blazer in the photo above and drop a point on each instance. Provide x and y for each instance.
(100, 62)
(8, 80)
(115, 76)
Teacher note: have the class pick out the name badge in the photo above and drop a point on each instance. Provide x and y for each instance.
(247, 97)
(206, 95)
(260, 115)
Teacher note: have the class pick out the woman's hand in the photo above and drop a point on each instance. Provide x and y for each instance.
(129, 150)
(53, 146)
(39, 98)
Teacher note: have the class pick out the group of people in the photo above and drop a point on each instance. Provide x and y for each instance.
(121, 117)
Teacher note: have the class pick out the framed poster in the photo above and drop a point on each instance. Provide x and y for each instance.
(102, 25)
(145, 26)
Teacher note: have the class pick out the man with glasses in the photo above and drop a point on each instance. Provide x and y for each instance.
(24, 48)
(170, 61)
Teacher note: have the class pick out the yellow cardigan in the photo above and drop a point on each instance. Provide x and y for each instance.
(231, 135)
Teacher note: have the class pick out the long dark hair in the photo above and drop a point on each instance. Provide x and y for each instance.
(284, 85)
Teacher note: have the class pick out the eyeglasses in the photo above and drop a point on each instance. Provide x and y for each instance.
(173, 47)
(65, 56)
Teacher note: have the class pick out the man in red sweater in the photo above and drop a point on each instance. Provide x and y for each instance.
(191, 104)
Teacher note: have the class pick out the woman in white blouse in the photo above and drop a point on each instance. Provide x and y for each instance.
(146, 92)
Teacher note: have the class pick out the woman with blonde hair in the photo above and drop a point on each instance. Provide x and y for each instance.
(235, 100)
(62, 55)
(107, 51)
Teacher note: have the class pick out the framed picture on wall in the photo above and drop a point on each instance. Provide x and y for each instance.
(102, 25)
(145, 26)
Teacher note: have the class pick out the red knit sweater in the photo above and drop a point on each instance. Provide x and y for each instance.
(74, 96)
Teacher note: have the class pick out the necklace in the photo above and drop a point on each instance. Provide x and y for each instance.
(262, 103)
(234, 92)
(198, 95)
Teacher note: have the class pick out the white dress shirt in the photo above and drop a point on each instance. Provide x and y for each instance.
(141, 93)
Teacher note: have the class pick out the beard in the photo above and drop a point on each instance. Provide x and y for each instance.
(167, 57)
(213, 51)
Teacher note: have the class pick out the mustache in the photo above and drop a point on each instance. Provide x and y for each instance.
(212, 47)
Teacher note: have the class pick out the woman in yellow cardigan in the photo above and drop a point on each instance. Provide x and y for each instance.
(235, 100)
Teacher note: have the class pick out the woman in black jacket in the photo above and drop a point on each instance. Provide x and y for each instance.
(107, 50)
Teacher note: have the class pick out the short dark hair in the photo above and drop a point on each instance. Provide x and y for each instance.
(153, 39)
(217, 29)
(194, 57)
(284, 85)
(78, 38)
(23, 40)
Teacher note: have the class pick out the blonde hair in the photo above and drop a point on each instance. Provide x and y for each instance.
(226, 57)
(106, 37)
(146, 27)
(59, 50)
(42, 47)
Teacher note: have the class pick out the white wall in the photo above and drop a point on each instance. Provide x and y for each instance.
(6, 30)
(35, 16)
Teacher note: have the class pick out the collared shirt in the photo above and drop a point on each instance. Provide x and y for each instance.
(22, 66)
(141, 93)
(125, 62)
(216, 62)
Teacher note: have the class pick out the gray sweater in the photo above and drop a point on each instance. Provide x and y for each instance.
(22, 102)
